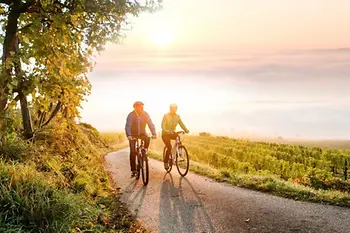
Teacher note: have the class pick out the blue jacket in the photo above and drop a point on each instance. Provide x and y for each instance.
(136, 125)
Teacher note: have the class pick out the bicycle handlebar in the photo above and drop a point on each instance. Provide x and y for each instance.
(135, 138)
(178, 132)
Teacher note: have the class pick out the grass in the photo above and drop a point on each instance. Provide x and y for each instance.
(262, 181)
(116, 141)
(59, 183)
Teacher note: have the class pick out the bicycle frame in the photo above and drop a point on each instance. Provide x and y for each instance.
(138, 147)
(175, 149)
(142, 160)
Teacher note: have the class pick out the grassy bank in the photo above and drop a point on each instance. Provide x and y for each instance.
(300, 173)
(59, 183)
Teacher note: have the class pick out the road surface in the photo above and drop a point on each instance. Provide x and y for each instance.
(170, 203)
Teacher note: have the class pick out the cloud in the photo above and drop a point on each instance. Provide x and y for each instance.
(288, 104)
(302, 73)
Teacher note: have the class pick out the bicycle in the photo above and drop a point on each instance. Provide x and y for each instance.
(142, 161)
(179, 156)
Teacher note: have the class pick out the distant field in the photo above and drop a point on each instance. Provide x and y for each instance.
(326, 143)
(332, 144)
(116, 139)
(335, 144)
(315, 168)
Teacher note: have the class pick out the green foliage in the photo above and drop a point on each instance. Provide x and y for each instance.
(287, 170)
(62, 186)
(325, 184)
(30, 204)
(12, 123)
(286, 161)
(51, 48)
(16, 149)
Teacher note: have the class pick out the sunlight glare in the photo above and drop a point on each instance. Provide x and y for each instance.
(161, 35)
(161, 38)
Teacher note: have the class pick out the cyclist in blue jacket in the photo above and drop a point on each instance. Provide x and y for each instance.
(136, 127)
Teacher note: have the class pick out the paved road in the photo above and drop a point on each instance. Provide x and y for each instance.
(197, 204)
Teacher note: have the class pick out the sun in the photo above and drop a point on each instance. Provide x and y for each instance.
(161, 37)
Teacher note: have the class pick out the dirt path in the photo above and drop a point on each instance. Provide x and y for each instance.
(197, 204)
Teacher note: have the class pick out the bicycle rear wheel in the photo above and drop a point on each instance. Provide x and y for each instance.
(170, 160)
(145, 171)
(182, 161)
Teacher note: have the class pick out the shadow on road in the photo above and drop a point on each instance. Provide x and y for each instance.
(133, 198)
(181, 208)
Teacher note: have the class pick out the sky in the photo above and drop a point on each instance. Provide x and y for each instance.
(277, 68)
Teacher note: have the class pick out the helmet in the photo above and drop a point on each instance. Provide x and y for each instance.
(173, 105)
(138, 103)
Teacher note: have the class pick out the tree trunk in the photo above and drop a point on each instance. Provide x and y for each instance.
(26, 118)
(9, 47)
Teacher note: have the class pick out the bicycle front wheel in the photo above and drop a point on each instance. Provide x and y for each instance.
(182, 161)
(138, 169)
(170, 160)
(145, 171)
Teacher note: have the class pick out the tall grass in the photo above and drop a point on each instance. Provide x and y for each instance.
(59, 183)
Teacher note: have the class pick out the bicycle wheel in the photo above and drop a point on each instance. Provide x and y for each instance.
(138, 166)
(145, 171)
(182, 161)
(170, 161)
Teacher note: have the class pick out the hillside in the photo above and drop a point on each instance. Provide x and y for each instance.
(58, 183)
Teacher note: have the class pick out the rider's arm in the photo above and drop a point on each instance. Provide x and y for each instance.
(151, 126)
(128, 125)
(164, 124)
(182, 125)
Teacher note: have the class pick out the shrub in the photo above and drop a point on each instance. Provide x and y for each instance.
(16, 149)
(204, 134)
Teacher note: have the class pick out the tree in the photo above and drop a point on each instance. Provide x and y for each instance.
(48, 50)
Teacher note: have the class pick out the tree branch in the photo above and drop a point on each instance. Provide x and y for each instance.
(42, 119)
(7, 2)
(17, 98)
(53, 114)
(62, 5)
(25, 27)
(24, 7)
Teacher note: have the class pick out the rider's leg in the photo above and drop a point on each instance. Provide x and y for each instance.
(132, 155)
(166, 140)
(147, 141)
